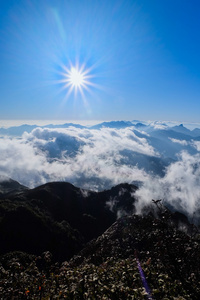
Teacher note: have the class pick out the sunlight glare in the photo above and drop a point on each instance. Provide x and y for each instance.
(76, 78)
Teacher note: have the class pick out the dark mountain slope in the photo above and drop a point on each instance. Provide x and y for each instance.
(80, 208)
(28, 229)
(59, 217)
(169, 257)
(9, 186)
(111, 266)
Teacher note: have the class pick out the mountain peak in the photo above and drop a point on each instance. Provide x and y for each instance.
(8, 185)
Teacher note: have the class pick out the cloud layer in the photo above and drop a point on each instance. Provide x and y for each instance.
(83, 156)
(179, 187)
(166, 163)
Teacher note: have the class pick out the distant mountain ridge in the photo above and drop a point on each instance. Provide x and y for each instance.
(147, 147)
(19, 130)
(113, 124)
(180, 128)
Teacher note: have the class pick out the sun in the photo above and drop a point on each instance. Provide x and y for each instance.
(76, 78)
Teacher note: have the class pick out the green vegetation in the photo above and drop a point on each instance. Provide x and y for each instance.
(44, 254)
(107, 269)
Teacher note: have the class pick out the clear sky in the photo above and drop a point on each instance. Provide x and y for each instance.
(141, 58)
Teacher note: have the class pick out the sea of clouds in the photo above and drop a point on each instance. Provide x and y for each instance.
(92, 158)
(165, 166)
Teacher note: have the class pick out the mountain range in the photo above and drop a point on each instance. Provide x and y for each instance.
(58, 216)
(101, 239)
(149, 148)
(58, 239)
(19, 130)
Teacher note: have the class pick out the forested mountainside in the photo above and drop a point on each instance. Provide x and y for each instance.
(59, 241)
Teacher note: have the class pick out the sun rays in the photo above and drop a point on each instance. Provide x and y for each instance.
(76, 79)
(77, 83)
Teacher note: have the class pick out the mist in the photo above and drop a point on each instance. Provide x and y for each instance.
(161, 160)
(179, 188)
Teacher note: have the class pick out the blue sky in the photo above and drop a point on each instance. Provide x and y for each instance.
(142, 56)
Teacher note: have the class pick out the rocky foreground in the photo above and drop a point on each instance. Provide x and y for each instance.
(109, 266)
(62, 242)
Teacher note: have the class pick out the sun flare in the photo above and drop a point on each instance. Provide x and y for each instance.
(76, 77)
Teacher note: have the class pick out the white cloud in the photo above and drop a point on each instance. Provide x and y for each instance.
(97, 159)
(182, 142)
(158, 125)
(196, 144)
(75, 155)
(179, 187)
